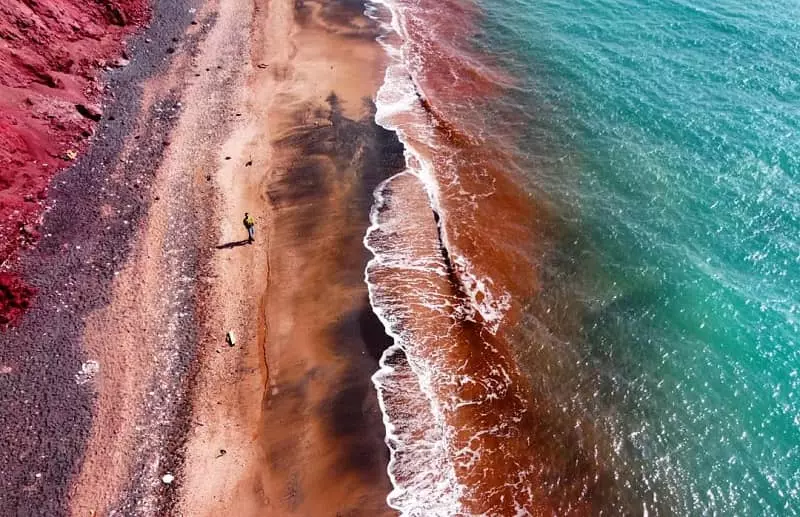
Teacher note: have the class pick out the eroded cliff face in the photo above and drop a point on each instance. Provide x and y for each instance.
(51, 56)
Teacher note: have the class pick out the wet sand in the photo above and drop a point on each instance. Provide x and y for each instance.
(265, 108)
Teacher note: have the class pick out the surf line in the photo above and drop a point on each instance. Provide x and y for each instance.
(439, 122)
(412, 488)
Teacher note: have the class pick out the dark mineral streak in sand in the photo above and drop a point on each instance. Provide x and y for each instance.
(341, 151)
(45, 414)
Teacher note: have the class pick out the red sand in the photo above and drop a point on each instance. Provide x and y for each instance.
(51, 52)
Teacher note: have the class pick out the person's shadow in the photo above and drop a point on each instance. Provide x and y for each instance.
(232, 244)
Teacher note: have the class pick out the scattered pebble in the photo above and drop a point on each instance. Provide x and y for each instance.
(87, 372)
(167, 478)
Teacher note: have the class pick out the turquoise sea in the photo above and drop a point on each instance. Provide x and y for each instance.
(665, 137)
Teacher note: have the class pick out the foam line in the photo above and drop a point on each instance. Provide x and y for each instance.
(422, 467)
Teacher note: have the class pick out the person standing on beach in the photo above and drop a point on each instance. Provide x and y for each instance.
(250, 224)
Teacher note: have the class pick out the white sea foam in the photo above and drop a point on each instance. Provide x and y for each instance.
(423, 464)
(423, 478)
(398, 95)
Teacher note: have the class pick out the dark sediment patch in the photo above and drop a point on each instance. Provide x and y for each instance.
(333, 168)
(87, 236)
(324, 153)
(362, 325)
(351, 411)
(303, 182)
(351, 414)
(373, 332)
(342, 17)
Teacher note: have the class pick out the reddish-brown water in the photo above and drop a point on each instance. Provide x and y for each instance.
(455, 240)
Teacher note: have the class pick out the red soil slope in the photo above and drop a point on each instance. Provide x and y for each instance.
(51, 52)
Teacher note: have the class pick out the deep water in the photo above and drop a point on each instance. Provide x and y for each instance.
(664, 137)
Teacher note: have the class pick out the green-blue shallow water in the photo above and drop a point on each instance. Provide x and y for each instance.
(666, 135)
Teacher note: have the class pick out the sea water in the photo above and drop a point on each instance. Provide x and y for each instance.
(591, 267)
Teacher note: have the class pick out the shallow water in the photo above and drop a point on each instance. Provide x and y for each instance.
(614, 260)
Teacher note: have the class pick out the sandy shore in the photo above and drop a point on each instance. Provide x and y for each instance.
(304, 436)
(263, 107)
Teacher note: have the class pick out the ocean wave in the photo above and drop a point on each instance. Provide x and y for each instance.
(448, 388)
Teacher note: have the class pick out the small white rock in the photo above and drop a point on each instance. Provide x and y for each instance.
(167, 478)
(88, 371)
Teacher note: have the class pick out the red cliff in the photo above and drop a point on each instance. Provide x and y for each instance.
(51, 54)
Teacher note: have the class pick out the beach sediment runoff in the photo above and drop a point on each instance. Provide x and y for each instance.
(450, 395)
(452, 239)
(408, 239)
(328, 155)
(442, 320)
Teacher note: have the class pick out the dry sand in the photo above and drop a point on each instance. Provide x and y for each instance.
(275, 119)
